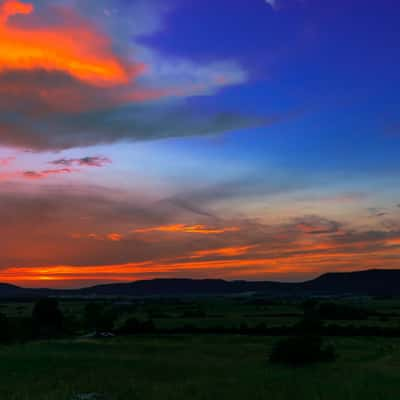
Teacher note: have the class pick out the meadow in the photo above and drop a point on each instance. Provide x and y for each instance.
(195, 367)
(198, 366)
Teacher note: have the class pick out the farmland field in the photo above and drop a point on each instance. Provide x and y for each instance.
(195, 367)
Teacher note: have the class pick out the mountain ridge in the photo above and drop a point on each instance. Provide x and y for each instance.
(364, 282)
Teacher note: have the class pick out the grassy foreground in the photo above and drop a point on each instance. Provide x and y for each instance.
(200, 367)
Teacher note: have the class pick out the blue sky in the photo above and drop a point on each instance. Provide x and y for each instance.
(235, 139)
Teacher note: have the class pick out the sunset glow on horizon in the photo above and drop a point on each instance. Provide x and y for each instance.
(144, 139)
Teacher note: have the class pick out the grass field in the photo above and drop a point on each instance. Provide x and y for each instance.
(199, 366)
(195, 367)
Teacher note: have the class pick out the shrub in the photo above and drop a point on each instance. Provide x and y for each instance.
(23, 329)
(301, 350)
(133, 326)
(99, 318)
(334, 311)
(243, 328)
(130, 327)
(194, 313)
(311, 324)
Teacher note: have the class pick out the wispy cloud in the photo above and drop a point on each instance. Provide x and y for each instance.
(316, 225)
(182, 228)
(278, 4)
(46, 173)
(6, 161)
(66, 166)
(272, 3)
(96, 161)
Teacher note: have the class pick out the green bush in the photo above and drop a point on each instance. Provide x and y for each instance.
(301, 350)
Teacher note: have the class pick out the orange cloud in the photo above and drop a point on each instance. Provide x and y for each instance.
(258, 268)
(14, 7)
(77, 49)
(182, 228)
(393, 242)
(114, 237)
(237, 262)
(224, 251)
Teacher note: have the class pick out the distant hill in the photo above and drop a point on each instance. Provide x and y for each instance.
(176, 287)
(371, 282)
(11, 290)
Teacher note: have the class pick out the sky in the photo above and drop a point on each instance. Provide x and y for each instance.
(233, 139)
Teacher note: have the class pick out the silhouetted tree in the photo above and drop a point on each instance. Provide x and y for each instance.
(307, 346)
(5, 329)
(47, 317)
(99, 318)
(311, 323)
